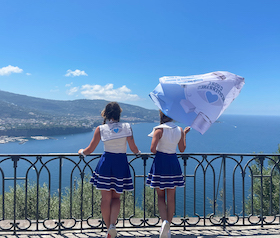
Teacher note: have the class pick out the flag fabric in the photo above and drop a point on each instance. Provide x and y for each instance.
(197, 100)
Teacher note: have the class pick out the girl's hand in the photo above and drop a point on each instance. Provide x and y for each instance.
(81, 152)
(187, 130)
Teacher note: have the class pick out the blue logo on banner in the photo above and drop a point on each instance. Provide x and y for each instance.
(211, 97)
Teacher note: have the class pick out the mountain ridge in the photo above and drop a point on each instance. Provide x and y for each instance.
(66, 107)
(26, 113)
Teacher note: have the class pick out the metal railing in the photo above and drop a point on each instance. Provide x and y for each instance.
(52, 192)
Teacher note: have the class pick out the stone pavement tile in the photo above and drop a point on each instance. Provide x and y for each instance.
(134, 233)
(123, 233)
(81, 235)
(199, 232)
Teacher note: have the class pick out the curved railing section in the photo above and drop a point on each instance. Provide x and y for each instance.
(51, 192)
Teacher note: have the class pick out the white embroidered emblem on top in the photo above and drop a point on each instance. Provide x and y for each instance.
(116, 130)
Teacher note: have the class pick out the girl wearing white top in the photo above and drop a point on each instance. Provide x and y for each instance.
(166, 174)
(112, 175)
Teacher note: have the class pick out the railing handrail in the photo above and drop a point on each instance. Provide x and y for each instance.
(145, 153)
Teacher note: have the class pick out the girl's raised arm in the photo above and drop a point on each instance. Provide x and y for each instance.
(93, 144)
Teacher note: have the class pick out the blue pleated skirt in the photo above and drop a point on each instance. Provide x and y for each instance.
(112, 173)
(165, 172)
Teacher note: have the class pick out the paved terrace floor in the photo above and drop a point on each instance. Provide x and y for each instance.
(272, 231)
(200, 231)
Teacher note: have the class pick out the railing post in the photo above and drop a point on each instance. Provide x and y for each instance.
(15, 159)
(144, 158)
(185, 158)
(261, 158)
(82, 202)
(224, 219)
(204, 158)
(243, 193)
(59, 195)
(38, 193)
(124, 209)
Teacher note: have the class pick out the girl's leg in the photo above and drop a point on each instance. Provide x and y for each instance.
(170, 204)
(115, 207)
(106, 206)
(161, 204)
(110, 207)
(166, 209)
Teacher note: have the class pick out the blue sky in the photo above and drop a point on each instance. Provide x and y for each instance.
(117, 50)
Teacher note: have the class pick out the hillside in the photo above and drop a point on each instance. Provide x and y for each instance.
(20, 106)
(24, 113)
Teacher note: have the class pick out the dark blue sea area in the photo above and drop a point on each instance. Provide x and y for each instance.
(230, 134)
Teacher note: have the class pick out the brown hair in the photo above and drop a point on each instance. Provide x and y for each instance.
(164, 118)
(111, 111)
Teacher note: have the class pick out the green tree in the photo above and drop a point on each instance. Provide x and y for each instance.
(270, 189)
(81, 201)
(27, 200)
(151, 203)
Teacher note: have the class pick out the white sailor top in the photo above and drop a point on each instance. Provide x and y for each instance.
(170, 137)
(114, 136)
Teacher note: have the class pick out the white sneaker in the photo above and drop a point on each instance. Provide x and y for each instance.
(169, 234)
(112, 232)
(165, 227)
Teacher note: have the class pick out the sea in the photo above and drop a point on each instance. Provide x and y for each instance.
(229, 134)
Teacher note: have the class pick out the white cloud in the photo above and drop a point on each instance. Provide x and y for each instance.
(68, 84)
(72, 91)
(28, 74)
(9, 70)
(75, 73)
(108, 92)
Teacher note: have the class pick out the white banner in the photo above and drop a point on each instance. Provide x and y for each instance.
(197, 100)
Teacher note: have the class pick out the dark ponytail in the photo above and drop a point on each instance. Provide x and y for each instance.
(164, 118)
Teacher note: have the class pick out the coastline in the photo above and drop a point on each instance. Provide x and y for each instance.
(23, 135)
(21, 139)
